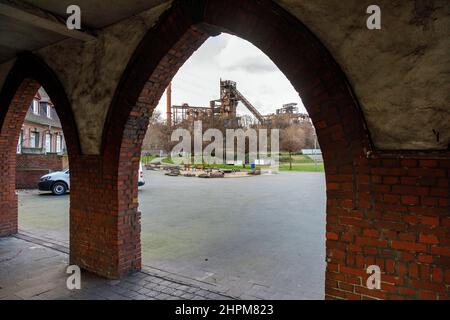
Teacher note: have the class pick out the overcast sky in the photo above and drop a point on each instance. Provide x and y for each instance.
(231, 58)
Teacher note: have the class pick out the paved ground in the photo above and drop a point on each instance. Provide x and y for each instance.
(230, 233)
(29, 269)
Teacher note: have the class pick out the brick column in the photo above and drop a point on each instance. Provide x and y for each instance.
(116, 250)
(104, 233)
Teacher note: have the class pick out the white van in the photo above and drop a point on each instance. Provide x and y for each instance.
(58, 182)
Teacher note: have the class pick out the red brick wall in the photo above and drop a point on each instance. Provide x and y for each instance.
(29, 178)
(30, 167)
(39, 161)
(399, 220)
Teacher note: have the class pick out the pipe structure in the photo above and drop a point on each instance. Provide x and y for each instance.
(169, 105)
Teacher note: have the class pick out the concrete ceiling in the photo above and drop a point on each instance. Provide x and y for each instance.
(17, 36)
(98, 14)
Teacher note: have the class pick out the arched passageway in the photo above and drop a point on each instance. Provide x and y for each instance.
(26, 77)
(299, 55)
(384, 208)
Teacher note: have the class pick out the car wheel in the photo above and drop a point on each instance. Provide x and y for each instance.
(59, 188)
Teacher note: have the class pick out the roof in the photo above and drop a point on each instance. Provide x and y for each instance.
(42, 118)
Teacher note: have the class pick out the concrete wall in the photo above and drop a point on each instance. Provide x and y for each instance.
(399, 72)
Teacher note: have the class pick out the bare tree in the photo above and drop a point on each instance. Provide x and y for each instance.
(156, 135)
(292, 139)
(309, 133)
(156, 117)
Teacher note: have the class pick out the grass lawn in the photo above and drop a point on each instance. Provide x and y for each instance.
(296, 158)
(307, 168)
(213, 166)
(147, 159)
(225, 166)
(167, 160)
(300, 163)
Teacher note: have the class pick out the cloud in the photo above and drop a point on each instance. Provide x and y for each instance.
(237, 54)
(228, 57)
(265, 89)
(252, 65)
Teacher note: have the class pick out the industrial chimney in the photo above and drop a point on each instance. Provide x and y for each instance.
(169, 105)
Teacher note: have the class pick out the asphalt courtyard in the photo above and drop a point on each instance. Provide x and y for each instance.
(257, 237)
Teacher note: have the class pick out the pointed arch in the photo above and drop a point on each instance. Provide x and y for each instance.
(27, 75)
(305, 61)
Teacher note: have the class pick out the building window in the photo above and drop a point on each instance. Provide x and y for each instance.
(46, 109)
(35, 106)
(19, 143)
(58, 143)
(34, 139)
(48, 142)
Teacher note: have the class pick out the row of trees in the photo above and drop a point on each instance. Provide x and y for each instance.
(293, 136)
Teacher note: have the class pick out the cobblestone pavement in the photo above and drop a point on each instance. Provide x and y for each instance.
(34, 269)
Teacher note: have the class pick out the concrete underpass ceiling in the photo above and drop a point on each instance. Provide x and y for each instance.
(400, 74)
(17, 36)
(98, 14)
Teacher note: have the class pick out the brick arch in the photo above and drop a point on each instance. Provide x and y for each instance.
(311, 69)
(27, 75)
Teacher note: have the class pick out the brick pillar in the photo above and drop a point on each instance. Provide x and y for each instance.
(113, 247)
(104, 233)
(11, 122)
